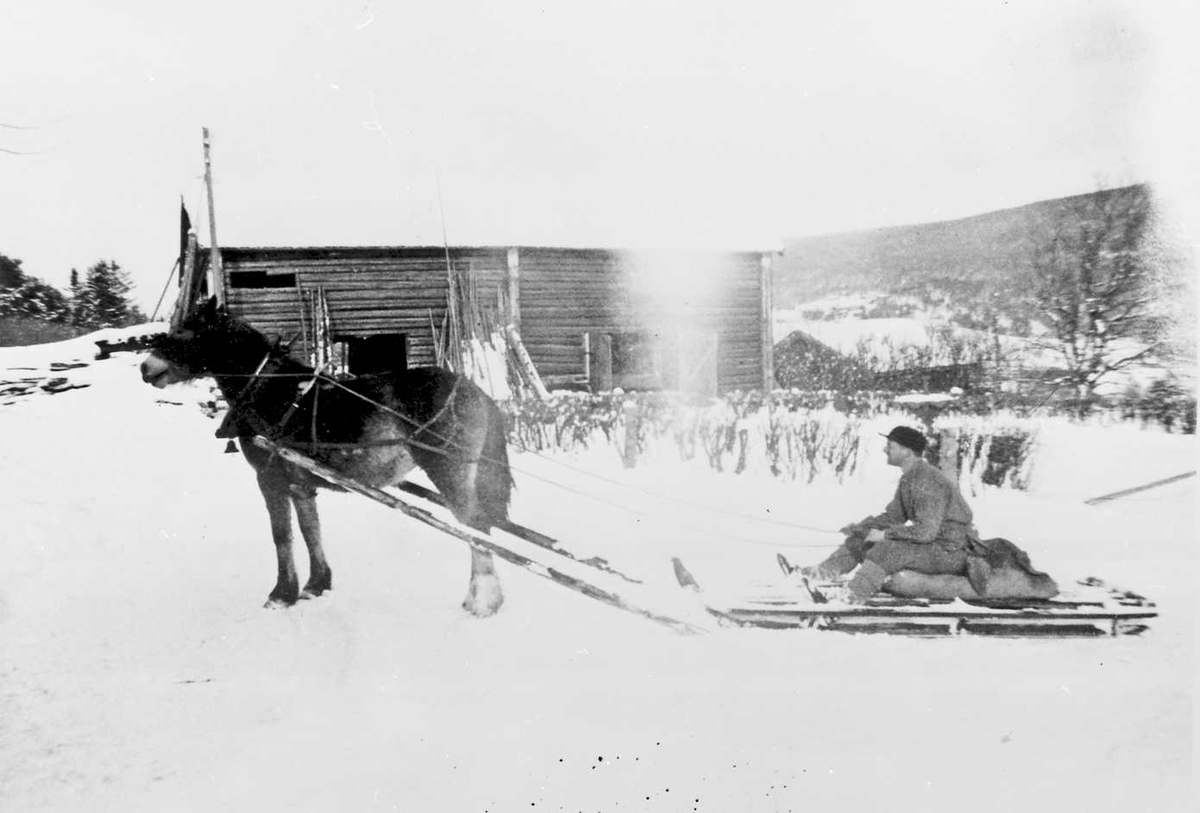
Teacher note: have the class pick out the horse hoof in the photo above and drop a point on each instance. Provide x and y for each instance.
(480, 610)
(484, 596)
(277, 604)
(317, 585)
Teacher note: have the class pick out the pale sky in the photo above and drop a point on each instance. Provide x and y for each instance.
(618, 124)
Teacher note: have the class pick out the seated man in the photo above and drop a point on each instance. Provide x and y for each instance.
(925, 528)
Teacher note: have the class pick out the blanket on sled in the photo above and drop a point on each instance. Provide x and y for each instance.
(998, 569)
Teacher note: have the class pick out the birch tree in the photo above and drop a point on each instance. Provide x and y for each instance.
(1094, 285)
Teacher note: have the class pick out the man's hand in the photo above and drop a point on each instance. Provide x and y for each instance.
(846, 530)
(875, 535)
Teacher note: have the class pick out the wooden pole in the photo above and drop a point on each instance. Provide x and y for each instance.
(166, 287)
(601, 372)
(632, 426)
(948, 454)
(186, 282)
(1126, 492)
(218, 272)
(531, 565)
(513, 277)
(768, 331)
(518, 347)
(521, 532)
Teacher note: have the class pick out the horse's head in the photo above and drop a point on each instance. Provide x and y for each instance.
(207, 341)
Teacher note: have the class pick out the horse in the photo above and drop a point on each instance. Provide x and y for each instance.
(375, 429)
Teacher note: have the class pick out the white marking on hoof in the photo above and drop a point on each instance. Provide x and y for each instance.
(484, 596)
(275, 604)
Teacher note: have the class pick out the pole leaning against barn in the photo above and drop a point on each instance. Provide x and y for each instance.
(218, 275)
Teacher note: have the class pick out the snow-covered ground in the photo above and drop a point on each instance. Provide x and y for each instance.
(138, 671)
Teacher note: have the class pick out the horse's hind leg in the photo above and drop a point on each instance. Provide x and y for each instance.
(456, 476)
(320, 577)
(484, 595)
(279, 507)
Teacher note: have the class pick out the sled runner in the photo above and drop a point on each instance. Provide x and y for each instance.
(1091, 608)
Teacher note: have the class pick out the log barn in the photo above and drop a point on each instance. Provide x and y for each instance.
(689, 320)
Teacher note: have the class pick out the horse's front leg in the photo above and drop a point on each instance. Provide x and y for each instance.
(279, 507)
(320, 577)
(484, 595)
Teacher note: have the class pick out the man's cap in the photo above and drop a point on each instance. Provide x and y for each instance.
(909, 438)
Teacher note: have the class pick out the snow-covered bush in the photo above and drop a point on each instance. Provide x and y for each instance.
(787, 434)
(1165, 401)
(988, 450)
(568, 421)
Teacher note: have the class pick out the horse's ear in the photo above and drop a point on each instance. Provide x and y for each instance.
(211, 310)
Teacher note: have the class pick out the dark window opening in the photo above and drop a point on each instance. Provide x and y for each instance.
(375, 354)
(685, 361)
(261, 279)
(636, 361)
(633, 354)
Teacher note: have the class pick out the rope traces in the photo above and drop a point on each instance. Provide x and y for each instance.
(447, 443)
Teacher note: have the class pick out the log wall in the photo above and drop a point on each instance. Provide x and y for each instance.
(562, 294)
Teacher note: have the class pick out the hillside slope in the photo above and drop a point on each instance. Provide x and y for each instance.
(964, 263)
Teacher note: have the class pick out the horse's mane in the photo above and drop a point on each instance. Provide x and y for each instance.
(277, 348)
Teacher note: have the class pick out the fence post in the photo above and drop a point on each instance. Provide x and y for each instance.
(631, 434)
(600, 374)
(948, 454)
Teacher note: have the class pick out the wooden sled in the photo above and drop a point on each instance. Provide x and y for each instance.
(1091, 609)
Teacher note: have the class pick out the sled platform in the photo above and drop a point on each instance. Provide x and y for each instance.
(1091, 609)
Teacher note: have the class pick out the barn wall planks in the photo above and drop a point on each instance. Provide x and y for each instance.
(681, 298)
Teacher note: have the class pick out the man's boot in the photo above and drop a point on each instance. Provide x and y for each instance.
(838, 563)
(865, 583)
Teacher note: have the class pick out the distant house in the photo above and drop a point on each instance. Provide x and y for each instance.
(601, 318)
(802, 362)
(878, 354)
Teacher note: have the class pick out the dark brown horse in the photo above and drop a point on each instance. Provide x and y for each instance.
(375, 429)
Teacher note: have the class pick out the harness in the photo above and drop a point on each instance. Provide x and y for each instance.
(240, 408)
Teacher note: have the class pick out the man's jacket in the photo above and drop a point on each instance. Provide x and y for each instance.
(928, 507)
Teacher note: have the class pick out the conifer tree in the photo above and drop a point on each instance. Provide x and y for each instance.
(104, 297)
(11, 275)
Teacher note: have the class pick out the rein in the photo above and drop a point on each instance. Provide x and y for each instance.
(423, 427)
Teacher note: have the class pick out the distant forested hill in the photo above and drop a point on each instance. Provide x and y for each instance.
(971, 269)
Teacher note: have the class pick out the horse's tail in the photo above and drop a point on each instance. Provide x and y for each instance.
(494, 482)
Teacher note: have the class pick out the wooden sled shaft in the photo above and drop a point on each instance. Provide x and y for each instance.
(510, 556)
(521, 532)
